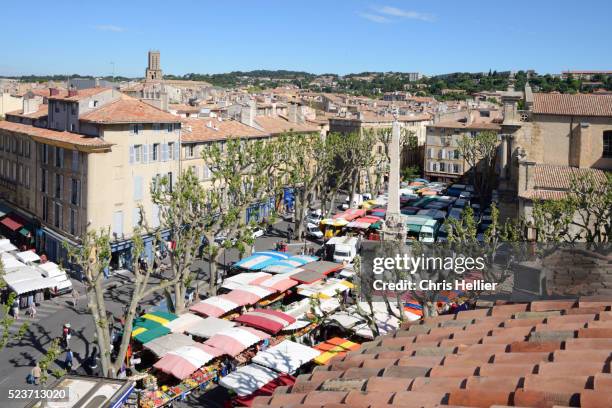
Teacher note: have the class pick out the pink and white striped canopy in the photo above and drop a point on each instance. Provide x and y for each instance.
(248, 294)
(236, 339)
(215, 306)
(278, 283)
(183, 361)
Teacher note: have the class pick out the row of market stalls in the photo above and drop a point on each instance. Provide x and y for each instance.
(354, 220)
(251, 339)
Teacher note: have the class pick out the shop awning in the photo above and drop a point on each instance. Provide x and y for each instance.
(325, 290)
(307, 276)
(286, 357)
(350, 214)
(210, 326)
(215, 306)
(10, 262)
(244, 278)
(236, 339)
(30, 285)
(27, 256)
(184, 322)
(6, 246)
(271, 321)
(152, 325)
(334, 222)
(165, 344)
(248, 295)
(283, 380)
(12, 222)
(334, 348)
(248, 379)
(146, 335)
(25, 232)
(184, 361)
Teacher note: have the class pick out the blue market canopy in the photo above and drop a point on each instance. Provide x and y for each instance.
(260, 260)
(289, 264)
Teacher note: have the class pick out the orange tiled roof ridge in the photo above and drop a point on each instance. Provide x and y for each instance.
(539, 354)
(68, 140)
(128, 110)
(572, 105)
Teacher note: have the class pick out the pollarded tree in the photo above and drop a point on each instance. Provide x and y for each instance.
(93, 258)
(480, 152)
(244, 173)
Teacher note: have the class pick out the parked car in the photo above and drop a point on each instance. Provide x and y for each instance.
(257, 232)
(313, 231)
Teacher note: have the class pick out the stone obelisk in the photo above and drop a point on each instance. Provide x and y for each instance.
(394, 227)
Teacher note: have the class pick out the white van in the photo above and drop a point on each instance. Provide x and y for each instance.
(345, 248)
(313, 231)
(52, 270)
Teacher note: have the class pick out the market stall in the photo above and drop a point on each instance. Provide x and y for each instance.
(10, 262)
(307, 277)
(27, 257)
(152, 325)
(248, 295)
(215, 306)
(259, 260)
(271, 321)
(184, 322)
(244, 278)
(183, 361)
(165, 344)
(234, 340)
(248, 379)
(325, 289)
(6, 246)
(210, 326)
(335, 347)
(286, 357)
(279, 283)
(323, 267)
(289, 264)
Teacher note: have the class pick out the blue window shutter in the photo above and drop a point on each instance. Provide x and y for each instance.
(137, 187)
(176, 151)
(165, 152)
(132, 154)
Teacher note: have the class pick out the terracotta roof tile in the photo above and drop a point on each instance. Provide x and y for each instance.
(483, 399)
(572, 105)
(324, 397)
(586, 344)
(436, 383)
(213, 129)
(506, 383)
(535, 398)
(594, 399)
(279, 124)
(581, 356)
(546, 305)
(360, 399)
(128, 110)
(414, 399)
(551, 182)
(538, 347)
(459, 370)
(68, 140)
(393, 384)
(602, 382)
(596, 333)
(560, 383)
(80, 94)
(555, 369)
(520, 358)
(504, 370)
(401, 371)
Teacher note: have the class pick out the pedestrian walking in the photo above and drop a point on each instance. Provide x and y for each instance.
(35, 373)
(67, 333)
(68, 360)
(16, 309)
(32, 311)
(75, 298)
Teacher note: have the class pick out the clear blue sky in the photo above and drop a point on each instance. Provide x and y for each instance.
(341, 36)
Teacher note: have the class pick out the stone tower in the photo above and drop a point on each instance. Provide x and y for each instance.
(394, 227)
(153, 72)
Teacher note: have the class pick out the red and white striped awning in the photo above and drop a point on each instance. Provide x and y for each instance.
(271, 321)
(236, 339)
(244, 278)
(215, 306)
(248, 294)
(278, 283)
(183, 361)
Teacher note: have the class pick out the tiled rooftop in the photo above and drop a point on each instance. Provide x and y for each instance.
(68, 140)
(278, 124)
(128, 110)
(211, 129)
(543, 354)
(552, 181)
(574, 105)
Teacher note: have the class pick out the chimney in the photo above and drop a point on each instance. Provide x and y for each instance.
(53, 92)
(248, 113)
(72, 91)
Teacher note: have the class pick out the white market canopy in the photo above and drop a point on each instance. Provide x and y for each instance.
(10, 262)
(248, 379)
(286, 357)
(165, 344)
(210, 326)
(33, 285)
(244, 278)
(184, 322)
(6, 246)
(52, 269)
(27, 256)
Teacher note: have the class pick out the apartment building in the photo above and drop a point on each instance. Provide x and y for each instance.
(90, 168)
(443, 159)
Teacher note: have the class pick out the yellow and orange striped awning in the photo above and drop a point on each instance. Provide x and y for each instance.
(332, 348)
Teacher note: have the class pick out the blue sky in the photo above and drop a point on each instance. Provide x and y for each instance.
(341, 36)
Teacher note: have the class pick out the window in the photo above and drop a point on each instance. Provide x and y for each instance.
(379, 149)
(136, 217)
(138, 188)
(73, 221)
(456, 154)
(156, 127)
(434, 166)
(44, 181)
(607, 143)
(59, 181)
(20, 147)
(136, 128)
(59, 157)
(138, 153)
(57, 215)
(430, 153)
(20, 174)
(164, 152)
(75, 161)
(56, 105)
(27, 177)
(190, 150)
(171, 152)
(155, 152)
(206, 172)
(442, 166)
(118, 223)
(169, 127)
(26, 148)
(45, 154)
(75, 192)
(72, 127)
(194, 170)
(45, 208)
(455, 168)
(13, 171)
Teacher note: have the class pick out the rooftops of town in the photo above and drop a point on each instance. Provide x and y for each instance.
(455, 124)
(505, 355)
(67, 140)
(279, 124)
(128, 110)
(77, 95)
(551, 182)
(213, 129)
